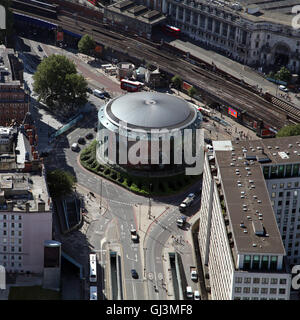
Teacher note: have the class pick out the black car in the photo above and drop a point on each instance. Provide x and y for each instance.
(81, 140)
(106, 94)
(89, 135)
(40, 48)
(134, 274)
(208, 141)
(89, 90)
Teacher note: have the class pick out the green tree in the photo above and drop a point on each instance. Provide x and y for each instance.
(287, 131)
(58, 85)
(9, 22)
(60, 182)
(177, 82)
(283, 74)
(191, 92)
(86, 44)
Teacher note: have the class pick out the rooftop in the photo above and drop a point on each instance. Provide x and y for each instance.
(147, 110)
(9, 65)
(252, 220)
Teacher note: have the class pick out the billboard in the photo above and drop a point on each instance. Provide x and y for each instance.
(232, 112)
(186, 86)
(60, 36)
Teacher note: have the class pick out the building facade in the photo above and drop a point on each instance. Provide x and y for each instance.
(260, 34)
(14, 101)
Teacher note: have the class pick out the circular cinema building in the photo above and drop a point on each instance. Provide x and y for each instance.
(147, 132)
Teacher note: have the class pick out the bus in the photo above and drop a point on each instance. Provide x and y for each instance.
(171, 31)
(131, 86)
(93, 293)
(93, 267)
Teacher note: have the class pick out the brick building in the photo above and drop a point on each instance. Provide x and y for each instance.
(14, 101)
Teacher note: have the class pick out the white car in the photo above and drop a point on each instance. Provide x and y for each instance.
(283, 88)
(134, 235)
(74, 147)
(197, 295)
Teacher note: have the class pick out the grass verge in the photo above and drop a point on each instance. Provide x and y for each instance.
(160, 186)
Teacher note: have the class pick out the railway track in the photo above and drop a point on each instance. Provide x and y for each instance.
(214, 85)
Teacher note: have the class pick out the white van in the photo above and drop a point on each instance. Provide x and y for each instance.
(98, 93)
(189, 292)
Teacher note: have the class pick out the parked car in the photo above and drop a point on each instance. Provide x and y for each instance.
(81, 140)
(74, 147)
(40, 48)
(134, 274)
(134, 235)
(283, 88)
(89, 90)
(89, 135)
(96, 128)
(197, 295)
(98, 93)
(106, 94)
(187, 202)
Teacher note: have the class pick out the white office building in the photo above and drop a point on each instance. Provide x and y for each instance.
(240, 242)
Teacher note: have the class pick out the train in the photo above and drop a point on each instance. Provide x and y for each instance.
(36, 7)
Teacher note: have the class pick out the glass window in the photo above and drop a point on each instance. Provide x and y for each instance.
(256, 280)
(238, 279)
(266, 170)
(295, 170)
(274, 281)
(265, 281)
(288, 170)
(280, 194)
(247, 280)
(273, 291)
(255, 290)
(273, 264)
(246, 290)
(255, 263)
(282, 281)
(238, 290)
(281, 291)
(281, 185)
(264, 291)
(273, 195)
(274, 186)
(265, 262)
(289, 185)
(274, 172)
(247, 261)
(280, 171)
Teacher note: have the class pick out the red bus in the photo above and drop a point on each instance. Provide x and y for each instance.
(171, 31)
(94, 2)
(131, 86)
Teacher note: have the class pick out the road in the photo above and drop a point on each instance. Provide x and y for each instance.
(113, 228)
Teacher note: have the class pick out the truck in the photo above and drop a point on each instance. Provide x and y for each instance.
(187, 202)
(181, 221)
(194, 275)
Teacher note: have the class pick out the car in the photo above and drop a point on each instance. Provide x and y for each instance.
(181, 221)
(134, 235)
(187, 202)
(98, 93)
(40, 48)
(81, 140)
(134, 274)
(208, 141)
(74, 147)
(106, 94)
(283, 88)
(89, 90)
(197, 295)
(89, 135)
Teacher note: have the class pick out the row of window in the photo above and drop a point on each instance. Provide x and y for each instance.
(12, 249)
(12, 233)
(255, 298)
(12, 225)
(258, 280)
(12, 264)
(12, 257)
(288, 185)
(280, 171)
(261, 291)
(260, 262)
(11, 216)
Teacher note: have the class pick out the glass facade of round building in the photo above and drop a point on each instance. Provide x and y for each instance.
(148, 125)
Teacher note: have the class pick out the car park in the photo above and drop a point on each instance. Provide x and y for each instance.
(81, 140)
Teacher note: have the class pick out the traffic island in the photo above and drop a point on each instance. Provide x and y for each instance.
(160, 186)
